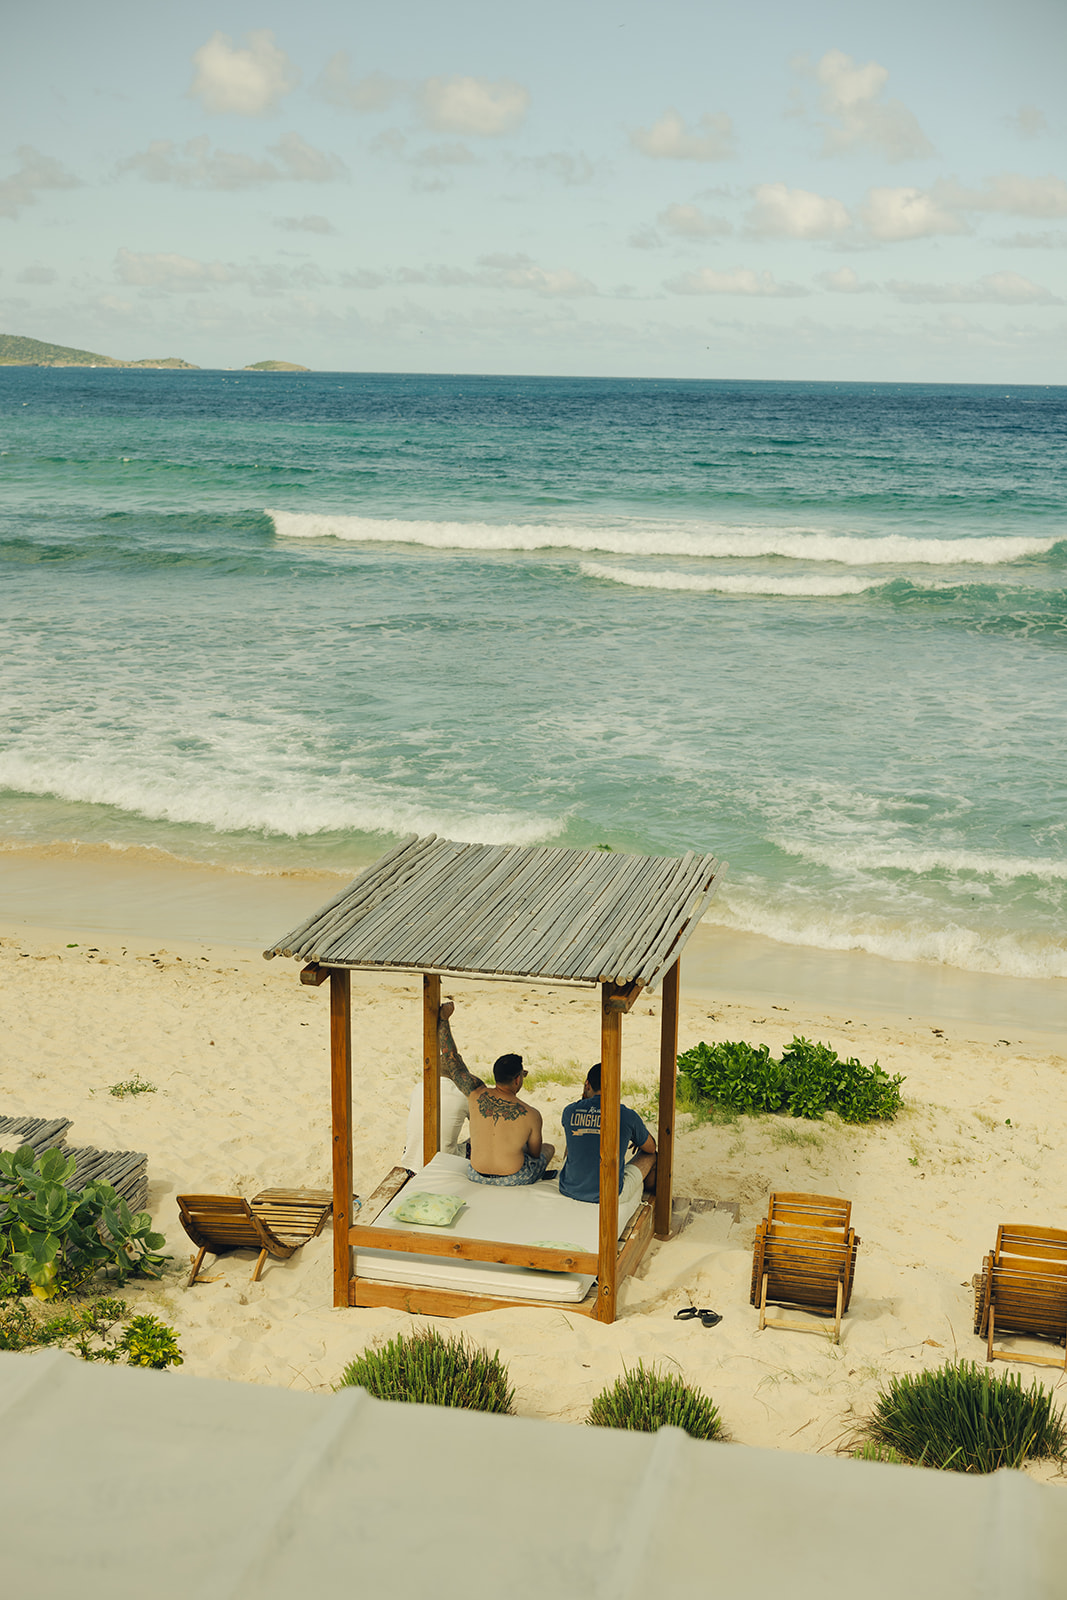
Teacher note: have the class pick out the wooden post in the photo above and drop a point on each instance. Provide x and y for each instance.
(668, 1074)
(610, 1099)
(341, 1102)
(431, 1068)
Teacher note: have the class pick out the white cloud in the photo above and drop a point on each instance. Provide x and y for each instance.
(1029, 122)
(473, 105)
(169, 272)
(375, 92)
(300, 162)
(670, 140)
(306, 224)
(519, 272)
(37, 274)
(1011, 193)
(783, 213)
(35, 172)
(497, 271)
(195, 165)
(248, 81)
(844, 281)
(449, 154)
(997, 288)
(1035, 241)
(851, 98)
(743, 281)
(893, 214)
(571, 170)
(645, 238)
(690, 222)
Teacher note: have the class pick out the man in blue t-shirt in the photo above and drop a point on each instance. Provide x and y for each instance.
(579, 1178)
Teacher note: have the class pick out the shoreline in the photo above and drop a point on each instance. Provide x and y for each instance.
(146, 897)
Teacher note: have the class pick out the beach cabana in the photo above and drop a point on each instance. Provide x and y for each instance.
(596, 919)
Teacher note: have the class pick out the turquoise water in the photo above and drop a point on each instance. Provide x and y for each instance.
(272, 622)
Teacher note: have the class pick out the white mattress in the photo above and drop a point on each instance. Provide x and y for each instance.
(534, 1214)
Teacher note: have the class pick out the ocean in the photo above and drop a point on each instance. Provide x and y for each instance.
(272, 622)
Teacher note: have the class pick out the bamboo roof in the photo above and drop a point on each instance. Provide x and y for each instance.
(511, 911)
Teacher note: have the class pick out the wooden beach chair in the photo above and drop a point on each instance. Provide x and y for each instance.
(276, 1223)
(1023, 1290)
(805, 1256)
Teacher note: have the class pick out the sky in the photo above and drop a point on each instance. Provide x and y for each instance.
(869, 190)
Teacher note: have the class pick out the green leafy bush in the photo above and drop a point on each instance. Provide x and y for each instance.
(148, 1342)
(735, 1074)
(54, 1239)
(89, 1332)
(646, 1400)
(809, 1080)
(428, 1369)
(961, 1418)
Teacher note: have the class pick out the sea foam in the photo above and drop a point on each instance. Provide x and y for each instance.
(667, 540)
(730, 583)
(295, 810)
(1016, 955)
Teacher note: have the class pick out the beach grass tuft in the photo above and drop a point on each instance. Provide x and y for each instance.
(961, 1418)
(425, 1368)
(645, 1400)
(130, 1086)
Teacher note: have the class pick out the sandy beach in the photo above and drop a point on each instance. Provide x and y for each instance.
(237, 1052)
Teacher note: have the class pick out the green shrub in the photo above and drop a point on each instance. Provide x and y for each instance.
(89, 1333)
(961, 1418)
(427, 1369)
(735, 1074)
(148, 1342)
(54, 1239)
(645, 1401)
(809, 1080)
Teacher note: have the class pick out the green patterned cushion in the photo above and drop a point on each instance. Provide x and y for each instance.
(430, 1210)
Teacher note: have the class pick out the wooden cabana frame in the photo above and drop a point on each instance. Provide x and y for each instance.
(438, 908)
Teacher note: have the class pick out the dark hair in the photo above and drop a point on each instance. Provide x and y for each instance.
(507, 1068)
(592, 1077)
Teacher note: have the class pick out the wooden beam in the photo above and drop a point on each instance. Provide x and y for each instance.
(314, 975)
(431, 1067)
(387, 1190)
(610, 1098)
(620, 997)
(668, 1077)
(341, 1108)
(637, 1240)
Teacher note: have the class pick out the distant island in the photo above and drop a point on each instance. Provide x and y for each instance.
(18, 352)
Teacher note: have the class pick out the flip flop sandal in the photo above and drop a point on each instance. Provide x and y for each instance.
(708, 1318)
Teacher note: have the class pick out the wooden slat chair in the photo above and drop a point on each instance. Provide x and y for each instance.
(276, 1223)
(804, 1255)
(1023, 1290)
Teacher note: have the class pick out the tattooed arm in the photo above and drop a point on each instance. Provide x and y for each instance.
(451, 1060)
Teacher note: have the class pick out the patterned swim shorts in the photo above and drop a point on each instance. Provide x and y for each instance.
(531, 1171)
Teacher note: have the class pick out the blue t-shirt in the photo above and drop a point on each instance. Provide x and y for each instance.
(580, 1176)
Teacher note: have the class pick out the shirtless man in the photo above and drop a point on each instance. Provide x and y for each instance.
(506, 1144)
